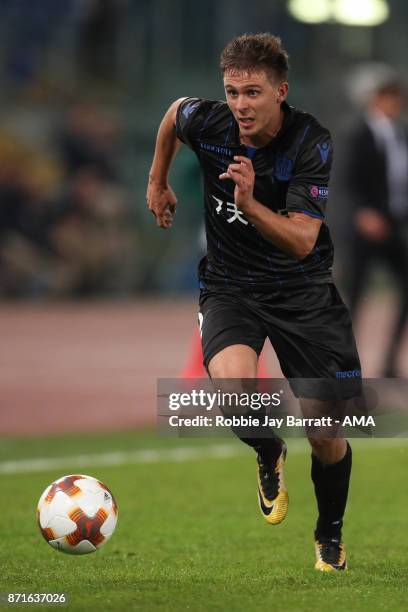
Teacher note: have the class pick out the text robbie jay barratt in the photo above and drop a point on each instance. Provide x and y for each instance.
(249, 421)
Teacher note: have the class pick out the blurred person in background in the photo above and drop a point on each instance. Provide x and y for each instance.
(89, 137)
(27, 265)
(30, 31)
(376, 176)
(98, 37)
(89, 234)
(90, 228)
(64, 219)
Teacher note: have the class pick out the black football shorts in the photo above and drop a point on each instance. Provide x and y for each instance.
(309, 328)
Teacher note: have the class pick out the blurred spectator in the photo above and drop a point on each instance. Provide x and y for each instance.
(89, 137)
(89, 234)
(29, 34)
(25, 254)
(98, 38)
(64, 222)
(90, 230)
(377, 180)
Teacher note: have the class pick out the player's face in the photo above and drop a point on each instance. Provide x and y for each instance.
(255, 101)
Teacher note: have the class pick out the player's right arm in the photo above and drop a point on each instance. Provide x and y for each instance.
(160, 197)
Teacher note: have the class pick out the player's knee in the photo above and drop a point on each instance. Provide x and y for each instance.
(236, 361)
(328, 450)
(320, 444)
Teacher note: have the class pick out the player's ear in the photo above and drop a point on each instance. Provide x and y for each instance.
(282, 92)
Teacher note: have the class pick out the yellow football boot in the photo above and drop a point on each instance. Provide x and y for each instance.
(272, 493)
(330, 555)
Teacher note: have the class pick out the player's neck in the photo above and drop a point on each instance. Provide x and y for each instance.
(265, 137)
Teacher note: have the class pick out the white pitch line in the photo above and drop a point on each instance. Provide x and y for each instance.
(174, 455)
(168, 455)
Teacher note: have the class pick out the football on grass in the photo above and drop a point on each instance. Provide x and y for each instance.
(77, 514)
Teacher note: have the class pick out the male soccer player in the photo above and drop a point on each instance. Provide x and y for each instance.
(267, 272)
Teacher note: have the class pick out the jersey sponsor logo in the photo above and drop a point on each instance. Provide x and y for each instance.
(319, 192)
(283, 169)
(349, 374)
(206, 146)
(232, 209)
(188, 108)
(324, 150)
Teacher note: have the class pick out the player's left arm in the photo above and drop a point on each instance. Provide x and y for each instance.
(295, 234)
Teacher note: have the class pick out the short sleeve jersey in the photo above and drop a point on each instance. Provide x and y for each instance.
(291, 174)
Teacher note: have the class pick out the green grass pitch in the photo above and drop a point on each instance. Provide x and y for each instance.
(190, 535)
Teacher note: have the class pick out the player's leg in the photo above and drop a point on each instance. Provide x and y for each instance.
(331, 469)
(194, 367)
(312, 335)
(234, 361)
(232, 339)
(236, 365)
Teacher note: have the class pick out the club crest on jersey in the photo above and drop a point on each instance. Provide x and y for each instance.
(319, 192)
(232, 209)
(283, 168)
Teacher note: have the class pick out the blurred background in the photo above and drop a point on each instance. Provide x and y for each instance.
(96, 303)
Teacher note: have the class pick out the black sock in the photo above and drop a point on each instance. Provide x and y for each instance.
(269, 448)
(331, 483)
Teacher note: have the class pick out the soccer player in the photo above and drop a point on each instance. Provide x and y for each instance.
(267, 272)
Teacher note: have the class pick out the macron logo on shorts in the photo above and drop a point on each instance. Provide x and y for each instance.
(349, 374)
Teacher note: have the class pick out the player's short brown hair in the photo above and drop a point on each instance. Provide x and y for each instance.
(254, 52)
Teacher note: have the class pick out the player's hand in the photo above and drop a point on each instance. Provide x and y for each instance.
(162, 201)
(243, 175)
(372, 225)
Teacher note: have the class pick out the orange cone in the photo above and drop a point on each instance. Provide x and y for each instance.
(194, 368)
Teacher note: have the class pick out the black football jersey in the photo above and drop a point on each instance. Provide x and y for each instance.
(291, 174)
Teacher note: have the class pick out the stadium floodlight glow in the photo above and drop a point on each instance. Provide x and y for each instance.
(310, 11)
(361, 13)
(346, 12)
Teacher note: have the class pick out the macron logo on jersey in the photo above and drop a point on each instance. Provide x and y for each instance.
(324, 150)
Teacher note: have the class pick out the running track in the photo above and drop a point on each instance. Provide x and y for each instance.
(93, 366)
